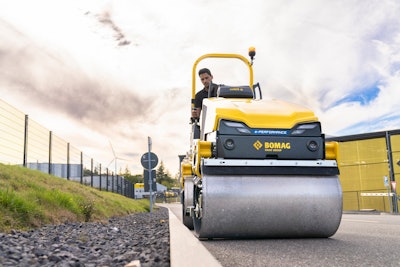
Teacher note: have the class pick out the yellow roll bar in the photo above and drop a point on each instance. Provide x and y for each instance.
(217, 55)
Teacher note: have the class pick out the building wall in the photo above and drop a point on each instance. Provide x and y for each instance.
(363, 163)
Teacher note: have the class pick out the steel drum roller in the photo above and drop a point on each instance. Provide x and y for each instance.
(269, 206)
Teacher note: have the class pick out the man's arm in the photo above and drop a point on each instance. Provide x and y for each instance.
(197, 107)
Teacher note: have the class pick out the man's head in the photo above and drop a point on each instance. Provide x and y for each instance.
(205, 77)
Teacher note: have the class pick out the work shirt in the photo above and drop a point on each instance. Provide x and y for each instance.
(198, 100)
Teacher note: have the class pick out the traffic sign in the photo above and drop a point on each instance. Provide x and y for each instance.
(145, 160)
(147, 175)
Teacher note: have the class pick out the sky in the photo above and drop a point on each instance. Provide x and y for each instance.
(117, 72)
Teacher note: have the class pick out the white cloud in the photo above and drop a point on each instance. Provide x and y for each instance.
(70, 57)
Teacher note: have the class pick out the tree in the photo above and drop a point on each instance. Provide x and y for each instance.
(164, 177)
(86, 172)
(137, 178)
(127, 171)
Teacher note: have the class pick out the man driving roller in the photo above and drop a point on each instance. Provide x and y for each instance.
(206, 79)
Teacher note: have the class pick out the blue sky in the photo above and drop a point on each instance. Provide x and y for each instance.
(127, 65)
(364, 96)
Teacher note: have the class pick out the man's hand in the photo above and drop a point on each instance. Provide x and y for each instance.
(195, 113)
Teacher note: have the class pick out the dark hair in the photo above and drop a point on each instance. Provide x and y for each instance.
(205, 70)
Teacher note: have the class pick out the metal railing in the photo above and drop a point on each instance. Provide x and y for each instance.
(26, 143)
(376, 199)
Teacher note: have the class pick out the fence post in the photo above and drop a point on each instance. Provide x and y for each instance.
(24, 161)
(100, 177)
(107, 179)
(91, 172)
(112, 182)
(81, 167)
(50, 147)
(121, 186)
(391, 172)
(118, 184)
(68, 163)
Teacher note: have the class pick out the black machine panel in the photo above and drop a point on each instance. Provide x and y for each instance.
(269, 147)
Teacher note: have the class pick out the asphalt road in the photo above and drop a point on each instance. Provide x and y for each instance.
(362, 240)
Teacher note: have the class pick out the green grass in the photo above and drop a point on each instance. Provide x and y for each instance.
(31, 199)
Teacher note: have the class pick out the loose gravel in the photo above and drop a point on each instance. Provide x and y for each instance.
(142, 237)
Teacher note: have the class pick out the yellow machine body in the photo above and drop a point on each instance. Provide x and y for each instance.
(255, 113)
(258, 168)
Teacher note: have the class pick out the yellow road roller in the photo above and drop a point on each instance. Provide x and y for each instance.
(258, 168)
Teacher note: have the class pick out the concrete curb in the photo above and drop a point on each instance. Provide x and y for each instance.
(369, 212)
(185, 248)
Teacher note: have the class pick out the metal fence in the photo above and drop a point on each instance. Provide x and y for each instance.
(26, 143)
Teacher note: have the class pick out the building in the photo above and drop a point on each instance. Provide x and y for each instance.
(141, 193)
(369, 167)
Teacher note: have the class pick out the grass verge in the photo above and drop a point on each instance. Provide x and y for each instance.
(30, 199)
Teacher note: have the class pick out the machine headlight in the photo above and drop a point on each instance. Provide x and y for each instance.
(307, 129)
(229, 144)
(233, 124)
(238, 126)
(312, 146)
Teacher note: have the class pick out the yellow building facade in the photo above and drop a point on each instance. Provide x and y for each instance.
(369, 167)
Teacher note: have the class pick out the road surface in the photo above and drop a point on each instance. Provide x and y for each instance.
(362, 240)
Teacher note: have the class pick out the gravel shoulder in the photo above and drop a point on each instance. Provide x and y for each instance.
(141, 236)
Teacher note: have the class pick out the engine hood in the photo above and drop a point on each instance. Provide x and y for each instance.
(264, 113)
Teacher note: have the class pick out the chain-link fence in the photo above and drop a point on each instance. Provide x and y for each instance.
(26, 143)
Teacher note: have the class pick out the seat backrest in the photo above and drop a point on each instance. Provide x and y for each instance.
(235, 91)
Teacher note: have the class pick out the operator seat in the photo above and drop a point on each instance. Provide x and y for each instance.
(235, 91)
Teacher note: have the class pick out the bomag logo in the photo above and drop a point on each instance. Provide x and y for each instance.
(257, 145)
(272, 146)
(277, 145)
